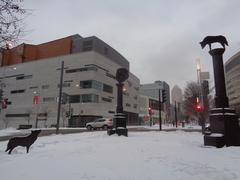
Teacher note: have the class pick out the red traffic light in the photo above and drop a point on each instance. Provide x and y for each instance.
(199, 108)
(149, 110)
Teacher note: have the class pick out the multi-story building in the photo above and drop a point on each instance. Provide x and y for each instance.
(152, 91)
(149, 105)
(177, 94)
(232, 78)
(177, 100)
(30, 79)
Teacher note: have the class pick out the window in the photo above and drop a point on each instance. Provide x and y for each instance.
(17, 115)
(91, 84)
(33, 87)
(81, 69)
(87, 45)
(49, 99)
(107, 88)
(154, 104)
(85, 84)
(85, 98)
(135, 106)
(45, 86)
(128, 105)
(74, 98)
(24, 77)
(106, 99)
(68, 81)
(97, 85)
(100, 120)
(65, 85)
(18, 91)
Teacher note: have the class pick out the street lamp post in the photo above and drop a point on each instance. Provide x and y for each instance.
(59, 98)
(120, 120)
(36, 102)
(160, 109)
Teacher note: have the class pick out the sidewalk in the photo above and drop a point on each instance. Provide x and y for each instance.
(6, 134)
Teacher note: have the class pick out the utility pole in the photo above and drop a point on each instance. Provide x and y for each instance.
(59, 98)
(160, 108)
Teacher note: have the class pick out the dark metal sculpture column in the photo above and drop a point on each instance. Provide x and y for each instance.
(221, 99)
(120, 121)
(224, 127)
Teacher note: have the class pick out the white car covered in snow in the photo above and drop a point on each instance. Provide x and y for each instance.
(104, 123)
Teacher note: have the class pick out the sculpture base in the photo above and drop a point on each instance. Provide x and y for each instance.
(214, 140)
(119, 132)
(223, 121)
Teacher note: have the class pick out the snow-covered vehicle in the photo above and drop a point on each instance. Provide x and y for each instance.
(104, 123)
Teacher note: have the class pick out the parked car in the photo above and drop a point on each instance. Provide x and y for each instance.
(103, 123)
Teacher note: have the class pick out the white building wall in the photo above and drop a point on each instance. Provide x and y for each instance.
(46, 72)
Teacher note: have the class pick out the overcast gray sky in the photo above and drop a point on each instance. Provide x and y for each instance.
(160, 38)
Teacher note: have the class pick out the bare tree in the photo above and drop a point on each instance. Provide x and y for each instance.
(11, 21)
(191, 93)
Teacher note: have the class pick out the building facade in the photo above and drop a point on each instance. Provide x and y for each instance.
(152, 91)
(176, 94)
(147, 104)
(232, 78)
(30, 79)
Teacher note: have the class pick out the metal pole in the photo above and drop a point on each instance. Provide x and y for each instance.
(60, 98)
(176, 113)
(160, 108)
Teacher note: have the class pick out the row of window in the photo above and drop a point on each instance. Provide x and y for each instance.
(83, 85)
(86, 98)
(80, 98)
(234, 62)
(88, 46)
(96, 85)
(81, 69)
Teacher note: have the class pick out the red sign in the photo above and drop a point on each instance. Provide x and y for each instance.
(35, 100)
(145, 117)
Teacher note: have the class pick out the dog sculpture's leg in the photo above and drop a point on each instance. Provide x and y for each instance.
(9, 152)
(27, 149)
(7, 149)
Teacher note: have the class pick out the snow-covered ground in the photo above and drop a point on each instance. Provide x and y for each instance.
(141, 156)
(170, 126)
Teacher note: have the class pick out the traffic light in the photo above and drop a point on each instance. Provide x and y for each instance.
(164, 96)
(150, 111)
(198, 107)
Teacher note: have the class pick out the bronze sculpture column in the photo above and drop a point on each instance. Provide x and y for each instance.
(224, 127)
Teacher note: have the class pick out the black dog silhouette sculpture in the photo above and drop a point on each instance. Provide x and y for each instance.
(213, 39)
(22, 141)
